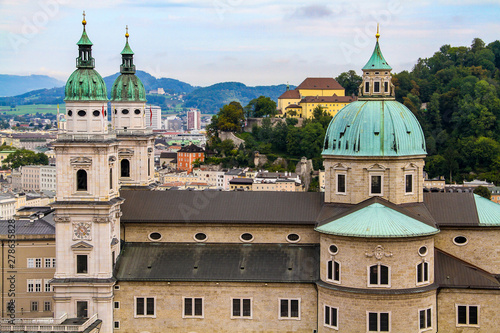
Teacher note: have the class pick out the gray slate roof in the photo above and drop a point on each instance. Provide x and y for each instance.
(218, 262)
(452, 272)
(25, 227)
(221, 207)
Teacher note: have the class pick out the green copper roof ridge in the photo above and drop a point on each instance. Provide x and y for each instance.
(372, 222)
(488, 211)
(84, 40)
(127, 49)
(377, 60)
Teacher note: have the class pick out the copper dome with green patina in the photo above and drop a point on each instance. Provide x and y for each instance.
(128, 87)
(85, 83)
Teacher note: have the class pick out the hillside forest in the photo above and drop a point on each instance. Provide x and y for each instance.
(455, 94)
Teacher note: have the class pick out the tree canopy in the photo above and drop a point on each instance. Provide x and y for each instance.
(23, 157)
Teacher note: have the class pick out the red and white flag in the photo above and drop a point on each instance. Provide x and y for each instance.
(150, 116)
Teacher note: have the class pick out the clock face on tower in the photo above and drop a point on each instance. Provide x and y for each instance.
(81, 230)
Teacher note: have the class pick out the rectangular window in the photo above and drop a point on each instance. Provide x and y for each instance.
(409, 183)
(376, 87)
(53, 262)
(31, 262)
(467, 315)
(117, 305)
(145, 306)
(331, 317)
(367, 87)
(38, 286)
(31, 286)
(425, 319)
(81, 264)
(193, 307)
(242, 308)
(378, 322)
(47, 287)
(289, 309)
(48, 262)
(376, 185)
(38, 262)
(47, 306)
(34, 306)
(341, 183)
(117, 325)
(333, 271)
(386, 87)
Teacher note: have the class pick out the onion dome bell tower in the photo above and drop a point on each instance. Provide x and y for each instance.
(375, 139)
(85, 93)
(128, 95)
(87, 206)
(136, 142)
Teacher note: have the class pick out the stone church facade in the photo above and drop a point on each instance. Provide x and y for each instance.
(374, 253)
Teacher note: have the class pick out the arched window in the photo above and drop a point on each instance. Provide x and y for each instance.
(333, 271)
(81, 180)
(111, 178)
(378, 275)
(423, 272)
(125, 168)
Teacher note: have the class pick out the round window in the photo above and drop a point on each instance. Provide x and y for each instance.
(96, 113)
(293, 238)
(82, 113)
(422, 250)
(155, 236)
(70, 113)
(200, 237)
(125, 111)
(246, 237)
(137, 111)
(460, 240)
(333, 249)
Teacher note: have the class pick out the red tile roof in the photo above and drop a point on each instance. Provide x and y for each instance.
(290, 94)
(320, 83)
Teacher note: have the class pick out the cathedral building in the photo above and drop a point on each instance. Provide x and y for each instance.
(374, 253)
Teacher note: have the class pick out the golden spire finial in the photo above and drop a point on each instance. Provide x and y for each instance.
(84, 22)
(377, 35)
(126, 33)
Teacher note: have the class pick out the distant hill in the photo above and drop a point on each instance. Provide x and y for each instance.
(212, 98)
(207, 99)
(151, 83)
(12, 85)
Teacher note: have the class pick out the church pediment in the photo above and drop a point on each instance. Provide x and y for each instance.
(82, 246)
(377, 167)
(410, 167)
(340, 166)
(125, 152)
(81, 161)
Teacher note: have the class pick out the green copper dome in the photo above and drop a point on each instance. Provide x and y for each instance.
(374, 128)
(85, 84)
(128, 88)
(377, 60)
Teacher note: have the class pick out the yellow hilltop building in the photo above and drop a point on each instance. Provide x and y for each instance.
(313, 92)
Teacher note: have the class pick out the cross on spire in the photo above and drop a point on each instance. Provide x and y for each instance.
(84, 22)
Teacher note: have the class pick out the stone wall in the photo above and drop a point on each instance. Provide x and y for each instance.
(217, 298)
(258, 122)
(358, 171)
(218, 233)
(355, 255)
(488, 302)
(230, 136)
(482, 247)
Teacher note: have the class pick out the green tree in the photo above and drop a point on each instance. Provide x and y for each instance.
(230, 118)
(350, 81)
(261, 107)
(24, 157)
(483, 191)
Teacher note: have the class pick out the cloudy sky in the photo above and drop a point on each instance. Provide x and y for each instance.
(256, 42)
